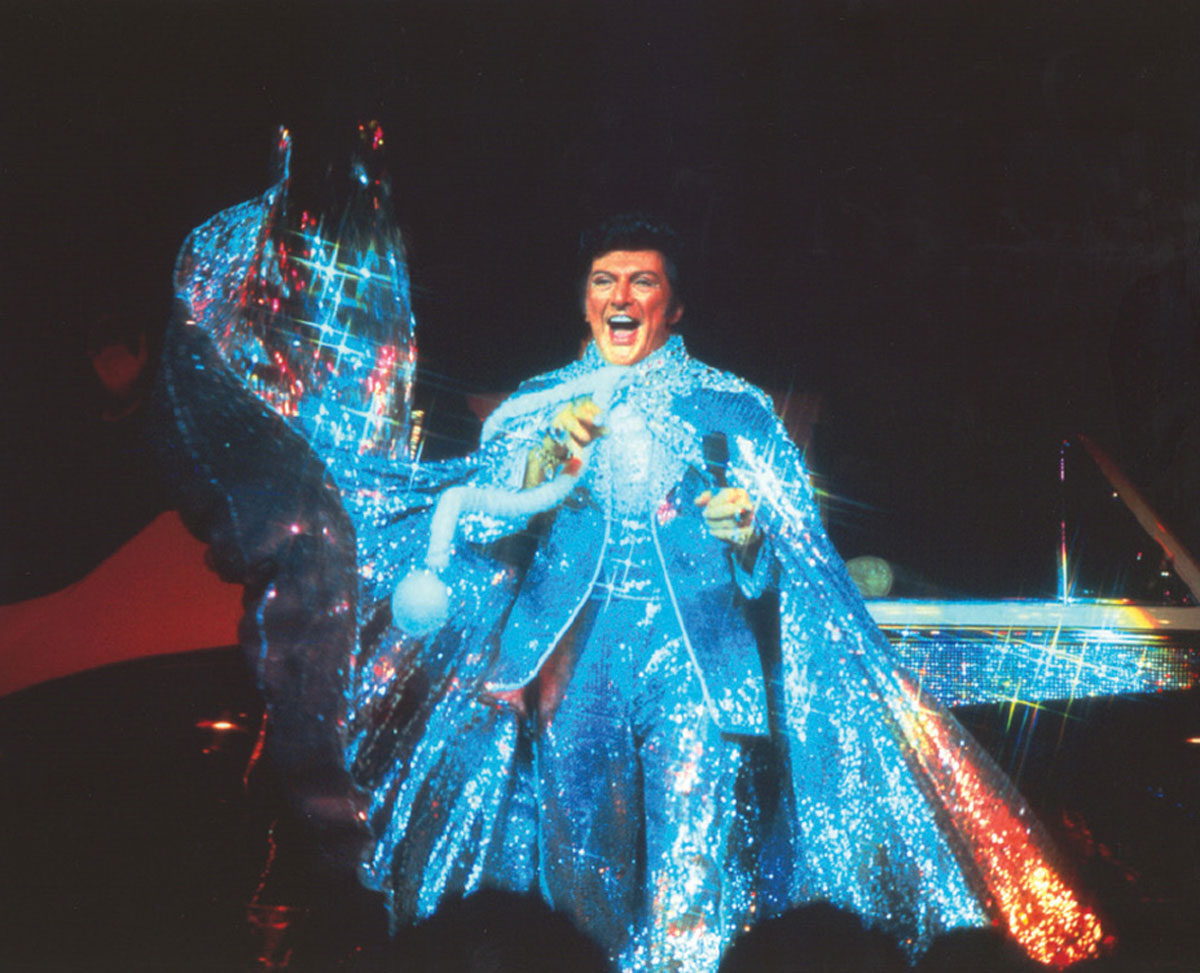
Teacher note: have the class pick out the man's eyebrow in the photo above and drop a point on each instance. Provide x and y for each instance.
(600, 272)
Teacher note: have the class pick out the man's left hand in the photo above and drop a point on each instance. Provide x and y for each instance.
(729, 516)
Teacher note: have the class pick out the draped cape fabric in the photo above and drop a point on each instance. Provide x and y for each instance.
(865, 792)
(883, 803)
(287, 343)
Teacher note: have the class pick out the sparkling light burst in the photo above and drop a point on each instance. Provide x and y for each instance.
(313, 315)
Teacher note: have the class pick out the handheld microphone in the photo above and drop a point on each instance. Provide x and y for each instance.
(715, 447)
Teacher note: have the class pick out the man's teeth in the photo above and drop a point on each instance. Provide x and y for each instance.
(621, 321)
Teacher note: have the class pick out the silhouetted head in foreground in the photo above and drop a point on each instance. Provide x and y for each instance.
(498, 932)
(817, 938)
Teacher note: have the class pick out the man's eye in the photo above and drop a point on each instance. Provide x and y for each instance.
(601, 281)
(646, 282)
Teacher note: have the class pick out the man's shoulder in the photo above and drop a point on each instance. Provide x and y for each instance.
(706, 378)
(535, 396)
(550, 379)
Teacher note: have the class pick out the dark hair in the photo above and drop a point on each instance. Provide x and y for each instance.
(813, 938)
(636, 231)
(496, 931)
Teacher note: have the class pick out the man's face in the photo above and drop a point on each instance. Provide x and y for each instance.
(628, 304)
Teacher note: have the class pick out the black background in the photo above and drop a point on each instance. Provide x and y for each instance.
(921, 217)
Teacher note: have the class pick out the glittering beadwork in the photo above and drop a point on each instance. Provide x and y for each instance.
(779, 773)
(891, 808)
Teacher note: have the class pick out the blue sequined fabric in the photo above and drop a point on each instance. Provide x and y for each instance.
(754, 726)
(867, 794)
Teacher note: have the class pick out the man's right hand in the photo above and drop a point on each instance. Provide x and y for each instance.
(573, 428)
(577, 420)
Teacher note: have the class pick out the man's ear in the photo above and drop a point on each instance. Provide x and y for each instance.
(676, 314)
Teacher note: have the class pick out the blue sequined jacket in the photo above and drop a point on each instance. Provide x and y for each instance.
(670, 409)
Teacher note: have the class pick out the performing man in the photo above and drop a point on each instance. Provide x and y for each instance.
(610, 655)
(607, 722)
(643, 668)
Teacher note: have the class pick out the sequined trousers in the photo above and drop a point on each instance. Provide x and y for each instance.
(635, 780)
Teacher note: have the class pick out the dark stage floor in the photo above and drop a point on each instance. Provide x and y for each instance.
(128, 841)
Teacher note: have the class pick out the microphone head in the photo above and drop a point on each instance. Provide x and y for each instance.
(716, 456)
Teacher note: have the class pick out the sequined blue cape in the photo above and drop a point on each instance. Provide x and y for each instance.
(868, 793)
(863, 791)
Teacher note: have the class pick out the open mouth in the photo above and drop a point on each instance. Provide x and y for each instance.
(622, 328)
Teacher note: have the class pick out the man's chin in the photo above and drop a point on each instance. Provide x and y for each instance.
(622, 352)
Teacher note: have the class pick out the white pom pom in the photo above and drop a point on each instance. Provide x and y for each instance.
(421, 603)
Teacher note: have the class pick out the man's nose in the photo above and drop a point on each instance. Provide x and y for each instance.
(621, 293)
